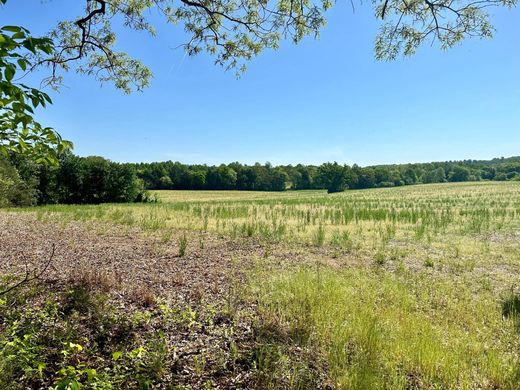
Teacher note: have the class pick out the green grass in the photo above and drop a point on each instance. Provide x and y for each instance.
(378, 330)
(371, 216)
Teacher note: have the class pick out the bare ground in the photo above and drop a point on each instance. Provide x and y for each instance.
(129, 259)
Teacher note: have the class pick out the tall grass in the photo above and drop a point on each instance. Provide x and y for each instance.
(381, 331)
(183, 244)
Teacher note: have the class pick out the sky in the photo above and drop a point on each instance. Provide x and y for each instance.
(321, 100)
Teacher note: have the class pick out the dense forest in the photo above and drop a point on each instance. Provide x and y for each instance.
(332, 176)
(98, 180)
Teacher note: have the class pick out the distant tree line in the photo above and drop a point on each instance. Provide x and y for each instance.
(331, 176)
(93, 180)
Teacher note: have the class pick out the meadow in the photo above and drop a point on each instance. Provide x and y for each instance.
(413, 287)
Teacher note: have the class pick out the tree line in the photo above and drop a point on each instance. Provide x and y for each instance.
(74, 180)
(91, 180)
(331, 176)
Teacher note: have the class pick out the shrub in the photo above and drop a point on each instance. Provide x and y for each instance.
(13, 190)
(90, 180)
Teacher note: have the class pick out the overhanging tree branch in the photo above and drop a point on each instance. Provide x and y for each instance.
(235, 31)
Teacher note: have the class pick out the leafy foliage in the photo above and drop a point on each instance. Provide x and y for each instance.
(333, 177)
(71, 334)
(19, 131)
(14, 191)
(89, 180)
(73, 338)
(409, 24)
(233, 32)
(93, 180)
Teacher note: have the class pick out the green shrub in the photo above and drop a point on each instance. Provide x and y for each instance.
(13, 190)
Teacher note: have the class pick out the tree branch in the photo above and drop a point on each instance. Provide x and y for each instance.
(28, 277)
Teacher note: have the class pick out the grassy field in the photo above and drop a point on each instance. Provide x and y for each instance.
(371, 215)
(398, 288)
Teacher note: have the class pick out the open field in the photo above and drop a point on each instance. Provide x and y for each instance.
(401, 288)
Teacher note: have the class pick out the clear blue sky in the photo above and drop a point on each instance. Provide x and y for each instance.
(322, 100)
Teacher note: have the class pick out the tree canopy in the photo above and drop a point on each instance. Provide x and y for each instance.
(97, 180)
(233, 31)
(230, 31)
(19, 131)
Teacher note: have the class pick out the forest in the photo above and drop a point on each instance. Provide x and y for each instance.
(94, 180)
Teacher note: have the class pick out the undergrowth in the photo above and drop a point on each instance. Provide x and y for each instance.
(70, 336)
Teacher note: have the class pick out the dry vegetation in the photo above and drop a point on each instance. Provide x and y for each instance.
(407, 288)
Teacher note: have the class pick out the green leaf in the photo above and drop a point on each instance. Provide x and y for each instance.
(91, 374)
(29, 45)
(41, 367)
(116, 355)
(18, 35)
(77, 347)
(22, 63)
(9, 72)
(14, 29)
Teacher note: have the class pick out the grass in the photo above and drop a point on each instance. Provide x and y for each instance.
(379, 330)
(183, 244)
(371, 216)
(416, 287)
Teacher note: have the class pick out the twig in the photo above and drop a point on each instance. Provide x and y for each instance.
(28, 278)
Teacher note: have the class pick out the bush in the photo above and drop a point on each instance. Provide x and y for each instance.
(91, 180)
(13, 190)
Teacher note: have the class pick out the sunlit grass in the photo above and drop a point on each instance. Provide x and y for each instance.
(370, 216)
(387, 331)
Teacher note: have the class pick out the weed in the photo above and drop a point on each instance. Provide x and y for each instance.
(319, 236)
(183, 244)
(380, 258)
(429, 263)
